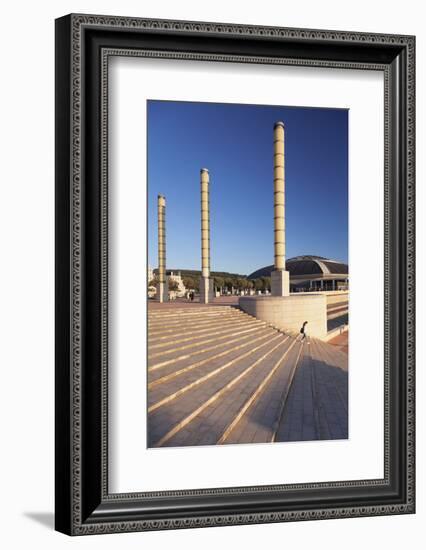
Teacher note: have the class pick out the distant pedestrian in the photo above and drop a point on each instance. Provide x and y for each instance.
(303, 331)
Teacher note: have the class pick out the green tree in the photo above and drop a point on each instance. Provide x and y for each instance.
(266, 283)
(188, 282)
(173, 285)
(229, 283)
(258, 284)
(153, 281)
(249, 284)
(219, 282)
(236, 283)
(241, 283)
(196, 285)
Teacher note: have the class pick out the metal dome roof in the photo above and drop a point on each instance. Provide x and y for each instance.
(306, 265)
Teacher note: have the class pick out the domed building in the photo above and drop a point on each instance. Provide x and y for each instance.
(311, 273)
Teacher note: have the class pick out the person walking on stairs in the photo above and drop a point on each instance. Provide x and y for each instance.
(303, 332)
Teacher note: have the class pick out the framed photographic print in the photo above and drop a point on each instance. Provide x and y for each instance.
(234, 274)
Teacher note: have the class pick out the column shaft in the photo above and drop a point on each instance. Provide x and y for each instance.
(205, 223)
(206, 284)
(279, 197)
(162, 286)
(161, 239)
(280, 278)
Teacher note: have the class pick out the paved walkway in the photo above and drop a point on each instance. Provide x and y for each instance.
(218, 376)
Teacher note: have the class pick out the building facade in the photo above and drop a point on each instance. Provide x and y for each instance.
(311, 273)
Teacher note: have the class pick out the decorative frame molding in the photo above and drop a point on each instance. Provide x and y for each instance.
(84, 44)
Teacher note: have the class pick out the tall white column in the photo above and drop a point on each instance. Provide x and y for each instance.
(162, 286)
(280, 280)
(206, 283)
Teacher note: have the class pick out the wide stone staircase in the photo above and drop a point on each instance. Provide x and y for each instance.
(217, 376)
(337, 315)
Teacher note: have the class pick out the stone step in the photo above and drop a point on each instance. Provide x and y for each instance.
(299, 419)
(190, 313)
(194, 344)
(338, 305)
(184, 328)
(337, 313)
(259, 417)
(167, 388)
(187, 336)
(202, 363)
(179, 356)
(339, 323)
(193, 321)
(167, 308)
(317, 404)
(338, 363)
(189, 406)
(329, 383)
(190, 318)
(335, 356)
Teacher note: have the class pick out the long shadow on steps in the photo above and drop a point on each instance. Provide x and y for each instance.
(317, 405)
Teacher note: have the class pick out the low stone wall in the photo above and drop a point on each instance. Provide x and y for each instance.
(338, 297)
(288, 313)
(333, 296)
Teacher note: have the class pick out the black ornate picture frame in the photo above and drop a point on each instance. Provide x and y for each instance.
(84, 43)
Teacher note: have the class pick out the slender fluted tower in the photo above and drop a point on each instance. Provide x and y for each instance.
(280, 284)
(206, 284)
(162, 286)
(205, 223)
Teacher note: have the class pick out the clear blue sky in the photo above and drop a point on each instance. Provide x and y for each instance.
(235, 142)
